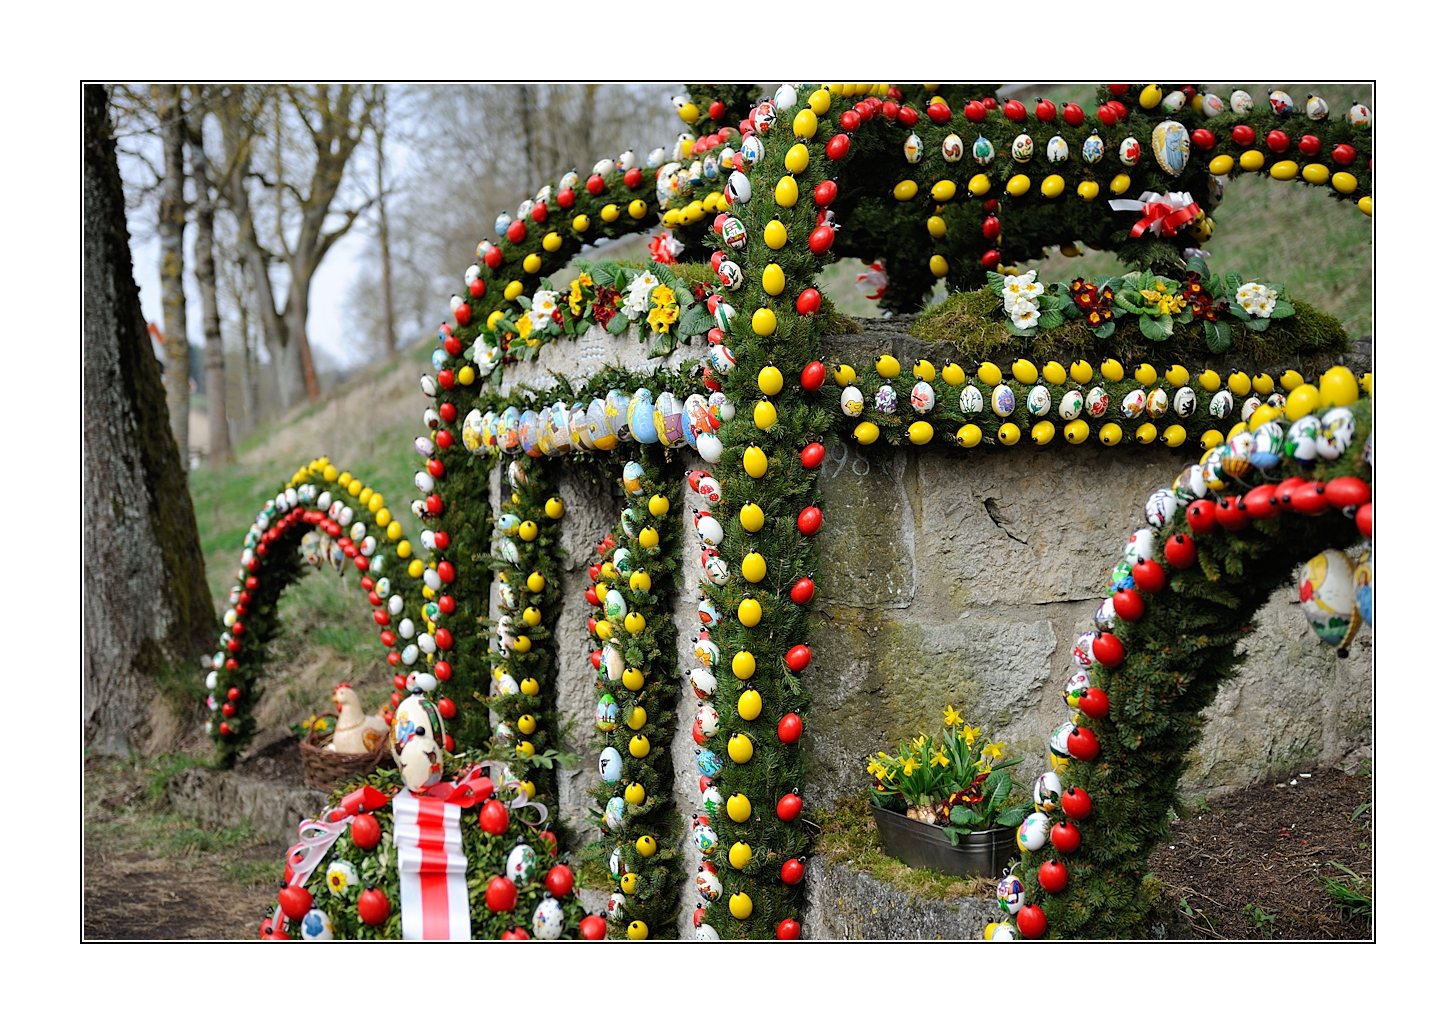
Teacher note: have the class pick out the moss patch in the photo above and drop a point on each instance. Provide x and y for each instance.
(848, 836)
(974, 323)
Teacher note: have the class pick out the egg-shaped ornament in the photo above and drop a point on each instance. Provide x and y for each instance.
(983, 151)
(1301, 440)
(1170, 146)
(914, 149)
(640, 412)
(1046, 792)
(706, 719)
(710, 531)
(1213, 105)
(1215, 473)
(707, 882)
(1057, 150)
(1240, 102)
(751, 150)
(1097, 402)
(1336, 433)
(667, 417)
(708, 613)
(952, 149)
(472, 432)
(1267, 445)
(1280, 102)
(971, 401)
(1070, 407)
(1082, 650)
(1039, 400)
(1010, 894)
(1093, 149)
(1129, 151)
(1251, 405)
(704, 838)
(1160, 507)
(606, 712)
(1003, 400)
(705, 932)
(1023, 148)
(1075, 688)
(418, 742)
(1221, 404)
(885, 399)
(851, 401)
(1105, 617)
(1359, 116)
(716, 569)
(1134, 403)
(1185, 402)
(614, 661)
(735, 235)
(738, 189)
(615, 814)
(1327, 597)
(706, 651)
(316, 926)
(709, 764)
(548, 920)
(609, 764)
(922, 397)
(521, 865)
(1033, 831)
(1365, 586)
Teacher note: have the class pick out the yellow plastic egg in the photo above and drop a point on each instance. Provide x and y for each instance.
(646, 845)
(392, 528)
(924, 370)
(637, 209)
(1147, 434)
(1081, 371)
(494, 319)
(744, 665)
(1284, 170)
(635, 623)
(1018, 185)
(844, 375)
(376, 503)
(1252, 160)
(953, 374)
(921, 432)
(796, 160)
(1210, 439)
(602, 589)
(551, 242)
(632, 679)
(740, 905)
(979, 185)
(1263, 415)
(1110, 434)
(1315, 174)
(530, 687)
(555, 508)
(936, 227)
(866, 433)
(636, 717)
(775, 235)
(523, 643)
(806, 124)
(751, 517)
(536, 582)
(1145, 375)
(1024, 370)
(943, 191)
(610, 212)
(580, 223)
(647, 537)
(417, 568)
(526, 725)
(938, 266)
(764, 414)
(1119, 184)
(532, 615)
(658, 504)
(755, 462)
(1263, 383)
(969, 435)
(1054, 373)
(989, 373)
(1043, 432)
(887, 366)
(603, 629)
(1221, 164)
(1150, 97)
(1236, 430)
(786, 192)
(1367, 383)
(1076, 432)
(740, 748)
(513, 291)
(1088, 190)
(773, 279)
(1177, 375)
(1302, 401)
(526, 748)
(764, 322)
(750, 704)
(1239, 383)
(1209, 380)
(403, 549)
(529, 530)
(906, 189)
(640, 580)
(1290, 379)
(750, 612)
(638, 746)
(1175, 435)
(1344, 182)
(1338, 386)
(739, 855)
(1112, 370)
(1009, 433)
(1053, 185)
(1366, 205)
(754, 567)
(770, 380)
(819, 101)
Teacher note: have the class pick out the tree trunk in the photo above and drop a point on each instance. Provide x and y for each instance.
(171, 225)
(298, 333)
(219, 447)
(250, 369)
(390, 342)
(145, 604)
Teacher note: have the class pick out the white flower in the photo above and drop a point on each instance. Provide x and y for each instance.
(639, 294)
(1023, 287)
(543, 304)
(1256, 299)
(1026, 316)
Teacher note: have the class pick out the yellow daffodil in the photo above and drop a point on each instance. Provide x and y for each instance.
(952, 716)
(970, 735)
(921, 741)
(910, 765)
(993, 752)
(940, 760)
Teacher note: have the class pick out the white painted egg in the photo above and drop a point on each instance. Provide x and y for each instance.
(1300, 440)
(1336, 434)
(1003, 400)
(1139, 545)
(1220, 405)
(614, 814)
(851, 401)
(1133, 403)
(1268, 445)
(707, 720)
(1189, 485)
(1157, 403)
(616, 904)
(1160, 507)
(1105, 617)
(710, 488)
(922, 397)
(705, 933)
(1002, 931)
(1032, 835)
(406, 628)
(1250, 406)
(703, 683)
(971, 401)
(614, 661)
(1185, 402)
(316, 926)
(709, 886)
(1327, 596)
(549, 919)
(609, 764)
(521, 864)
(710, 531)
(1097, 402)
(1365, 586)
(1010, 894)
(410, 654)
(710, 448)
(706, 651)
(717, 570)
(1070, 407)
(1046, 792)
(1082, 650)
(952, 149)
(1039, 400)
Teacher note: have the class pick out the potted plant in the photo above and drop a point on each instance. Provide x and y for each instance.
(950, 803)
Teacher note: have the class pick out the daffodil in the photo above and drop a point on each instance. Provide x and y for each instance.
(952, 716)
(970, 735)
(993, 752)
(940, 760)
(910, 765)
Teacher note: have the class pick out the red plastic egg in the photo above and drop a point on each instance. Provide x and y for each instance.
(1072, 114)
(374, 906)
(1082, 744)
(1108, 650)
(1309, 499)
(810, 520)
(792, 871)
(1179, 551)
(1128, 604)
(1262, 502)
(1277, 141)
(821, 240)
(1347, 493)
(788, 929)
(500, 895)
(1365, 518)
(494, 818)
(1343, 154)
(1014, 110)
(798, 657)
(1094, 703)
(1149, 576)
(812, 377)
(1066, 837)
(593, 928)
(632, 178)
(791, 727)
(1201, 517)
(516, 232)
(1203, 138)
(1076, 804)
(908, 116)
(790, 806)
(1052, 876)
(1031, 921)
(1231, 514)
(849, 120)
(560, 881)
(812, 455)
(808, 301)
(837, 148)
(975, 111)
(803, 591)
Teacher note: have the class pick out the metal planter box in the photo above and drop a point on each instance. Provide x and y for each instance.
(920, 845)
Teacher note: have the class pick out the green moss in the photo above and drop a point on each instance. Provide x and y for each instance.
(848, 836)
(974, 323)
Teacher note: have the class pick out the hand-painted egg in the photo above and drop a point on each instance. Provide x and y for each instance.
(1316, 109)
(708, 884)
(1327, 597)
(1003, 400)
(1097, 402)
(667, 420)
(1133, 403)
(640, 417)
(705, 839)
(851, 401)
(722, 406)
(1082, 650)
(316, 926)
(609, 764)
(1070, 407)
(1139, 545)
(1221, 404)
(549, 920)
(706, 651)
(885, 399)
(1280, 102)
(1078, 683)
(971, 400)
(705, 932)
(1359, 116)
(606, 712)
(1039, 400)
(1300, 442)
(1241, 102)
(707, 721)
(1268, 445)
(1046, 792)
(709, 763)
(614, 661)
(1173, 102)
(615, 814)
(708, 613)
(1160, 507)
(1251, 405)
(721, 357)
(1058, 742)
(1128, 151)
(1236, 464)
(341, 877)
(982, 151)
(1056, 150)
(1022, 148)
(1215, 474)
(615, 605)
(952, 149)
(1105, 617)
(1010, 894)
(1032, 835)
(1092, 149)
(914, 149)
(1185, 402)
(922, 397)
(1365, 586)
(712, 800)
(616, 906)
(1157, 403)
(472, 431)
(1170, 146)
(716, 570)
(521, 864)
(703, 683)
(1212, 105)
(1336, 434)
(710, 531)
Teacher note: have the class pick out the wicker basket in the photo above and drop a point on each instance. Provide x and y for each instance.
(324, 770)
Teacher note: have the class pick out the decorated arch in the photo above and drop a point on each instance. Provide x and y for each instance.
(930, 183)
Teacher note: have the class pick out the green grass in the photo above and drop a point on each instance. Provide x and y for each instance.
(1351, 893)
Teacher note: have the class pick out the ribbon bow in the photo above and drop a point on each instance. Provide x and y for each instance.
(1163, 214)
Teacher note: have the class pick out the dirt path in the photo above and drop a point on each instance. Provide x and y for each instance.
(152, 875)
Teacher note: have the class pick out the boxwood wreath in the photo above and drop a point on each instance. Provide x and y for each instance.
(771, 192)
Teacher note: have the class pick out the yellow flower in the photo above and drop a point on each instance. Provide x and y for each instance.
(1151, 296)
(576, 301)
(1172, 304)
(662, 295)
(993, 752)
(910, 765)
(661, 318)
(523, 325)
(952, 716)
(921, 741)
(940, 760)
(970, 735)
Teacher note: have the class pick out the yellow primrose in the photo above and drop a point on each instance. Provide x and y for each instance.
(952, 716)
(1150, 295)
(523, 325)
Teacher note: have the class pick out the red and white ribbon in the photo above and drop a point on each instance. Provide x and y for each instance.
(434, 902)
(1162, 214)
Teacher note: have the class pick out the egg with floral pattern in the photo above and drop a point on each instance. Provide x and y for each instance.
(703, 683)
(549, 920)
(1220, 405)
(1003, 400)
(971, 401)
(1300, 442)
(341, 877)
(1097, 402)
(1129, 151)
(705, 839)
(1267, 445)
(1327, 596)
(1240, 102)
(1070, 407)
(1139, 545)
(1022, 148)
(885, 399)
(1093, 149)
(316, 926)
(716, 570)
(1032, 835)
(521, 864)
(1039, 400)
(922, 397)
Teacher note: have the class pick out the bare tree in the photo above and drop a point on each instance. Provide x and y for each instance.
(385, 290)
(219, 446)
(146, 604)
(171, 226)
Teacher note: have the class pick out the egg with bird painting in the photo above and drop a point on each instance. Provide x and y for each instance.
(1046, 792)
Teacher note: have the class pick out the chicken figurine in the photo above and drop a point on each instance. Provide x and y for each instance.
(355, 732)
